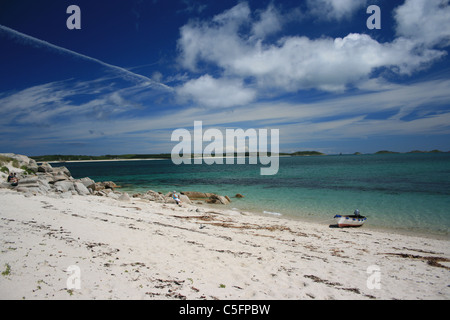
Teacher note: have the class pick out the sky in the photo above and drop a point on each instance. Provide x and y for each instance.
(138, 70)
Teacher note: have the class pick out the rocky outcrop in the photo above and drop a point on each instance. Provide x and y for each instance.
(195, 195)
(151, 196)
(99, 186)
(44, 179)
(207, 197)
(45, 167)
(214, 198)
(161, 198)
(20, 161)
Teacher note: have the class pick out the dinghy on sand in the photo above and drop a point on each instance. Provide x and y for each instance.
(355, 220)
(350, 221)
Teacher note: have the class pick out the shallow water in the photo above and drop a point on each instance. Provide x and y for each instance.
(408, 192)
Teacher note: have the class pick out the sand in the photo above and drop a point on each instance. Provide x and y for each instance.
(89, 247)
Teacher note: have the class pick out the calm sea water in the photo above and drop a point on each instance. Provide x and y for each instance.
(409, 192)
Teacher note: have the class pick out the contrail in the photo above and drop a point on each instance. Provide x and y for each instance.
(41, 43)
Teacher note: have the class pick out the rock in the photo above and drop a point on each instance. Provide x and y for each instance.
(223, 200)
(109, 185)
(185, 199)
(194, 195)
(154, 196)
(97, 186)
(60, 177)
(44, 186)
(62, 170)
(238, 195)
(64, 186)
(29, 181)
(208, 197)
(87, 182)
(45, 167)
(33, 166)
(100, 193)
(214, 198)
(81, 189)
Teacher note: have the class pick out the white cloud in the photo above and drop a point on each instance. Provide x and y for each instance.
(213, 41)
(297, 62)
(208, 91)
(328, 64)
(270, 22)
(334, 9)
(425, 21)
(43, 105)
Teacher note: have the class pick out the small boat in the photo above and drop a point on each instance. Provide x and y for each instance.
(350, 220)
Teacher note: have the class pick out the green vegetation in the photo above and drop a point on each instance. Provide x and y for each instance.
(52, 158)
(7, 271)
(432, 151)
(27, 170)
(4, 170)
(5, 160)
(385, 152)
(307, 153)
(15, 163)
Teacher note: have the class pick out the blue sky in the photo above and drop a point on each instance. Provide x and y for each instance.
(137, 70)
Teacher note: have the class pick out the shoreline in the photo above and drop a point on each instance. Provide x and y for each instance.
(425, 233)
(140, 249)
(320, 221)
(366, 226)
(105, 160)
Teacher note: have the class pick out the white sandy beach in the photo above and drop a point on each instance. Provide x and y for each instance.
(139, 249)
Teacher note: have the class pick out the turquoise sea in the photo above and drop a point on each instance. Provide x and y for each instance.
(406, 192)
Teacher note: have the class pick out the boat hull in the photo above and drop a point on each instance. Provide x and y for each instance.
(350, 221)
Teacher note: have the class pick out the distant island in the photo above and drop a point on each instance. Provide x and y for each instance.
(432, 151)
(307, 153)
(62, 158)
(385, 152)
